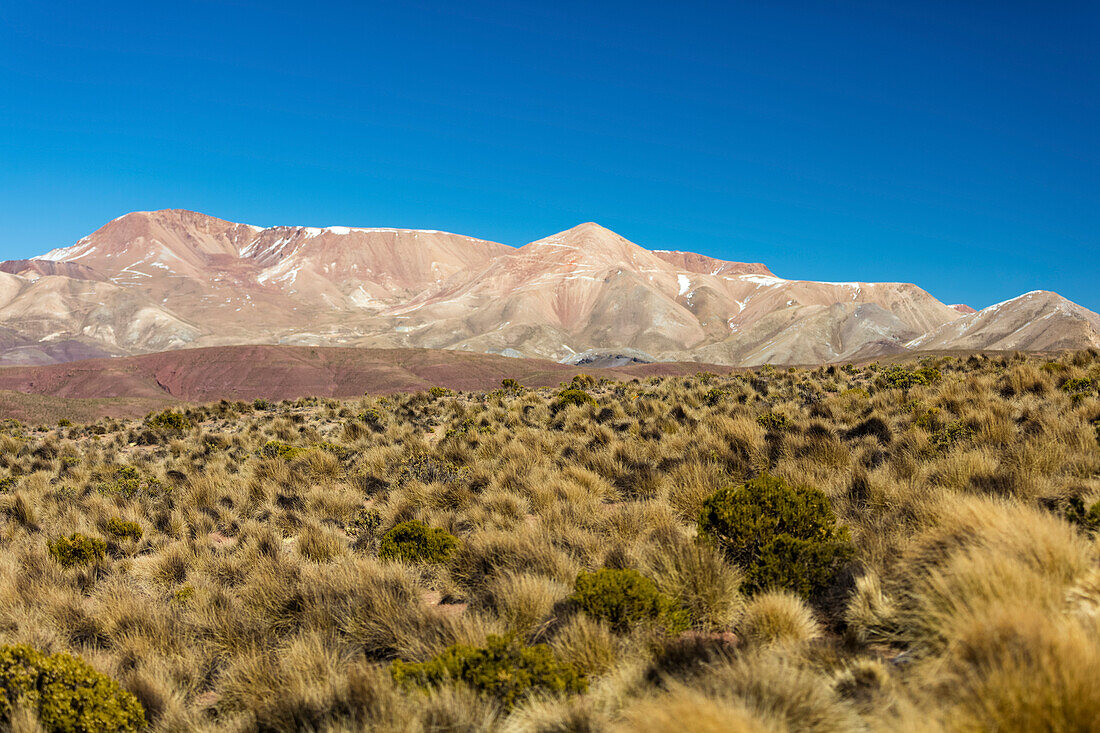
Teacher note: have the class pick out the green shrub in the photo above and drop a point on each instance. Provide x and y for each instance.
(373, 416)
(773, 421)
(332, 448)
(278, 449)
(364, 524)
(261, 404)
(130, 483)
(414, 541)
(1076, 385)
(76, 549)
(468, 426)
(714, 396)
(172, 422)
(1087, 519)
(121, 529)
(783, 537)
(954, 433)
(571, 396)
(903, 377)
(625, 599)
(503, 669)
(64, 423)
(437, 392)
(583, 381)
(67, 693)
(511, 385)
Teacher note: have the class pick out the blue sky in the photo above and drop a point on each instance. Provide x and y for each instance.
(952, 144)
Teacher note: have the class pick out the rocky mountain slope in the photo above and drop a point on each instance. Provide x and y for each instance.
(153, 281)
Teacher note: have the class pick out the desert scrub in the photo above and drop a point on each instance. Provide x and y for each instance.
(122, 529)
(715, 396)
(279, 449)
(364, 524)
(950, 435)
(503, 669)
(416, 542)
(76, 549)
(773, 421)
(898, 376)
(571, 396)
(428, 469)
(626, 599)
(131, 483)
(68, 694)
(783, 537)
(171, 422)
(1087, 519)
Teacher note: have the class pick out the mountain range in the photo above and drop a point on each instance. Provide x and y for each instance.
(172, 279)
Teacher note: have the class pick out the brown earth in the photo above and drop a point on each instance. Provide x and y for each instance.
(137, 384)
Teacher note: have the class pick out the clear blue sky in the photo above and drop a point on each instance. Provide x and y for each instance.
(953, 144)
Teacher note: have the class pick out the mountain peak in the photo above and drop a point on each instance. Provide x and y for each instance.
(179, 277)
(591, 241)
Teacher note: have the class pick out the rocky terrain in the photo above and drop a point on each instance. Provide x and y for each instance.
(156, 281)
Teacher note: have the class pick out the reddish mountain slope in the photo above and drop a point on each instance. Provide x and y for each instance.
(1036, 321)
(150, 281)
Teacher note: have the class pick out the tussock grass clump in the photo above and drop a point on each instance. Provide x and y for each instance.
(777, 617)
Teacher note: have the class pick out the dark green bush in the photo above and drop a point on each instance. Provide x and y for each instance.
(170, 421)
(625, 599)
(278, 449)
(774, 421)
(783, 537)
(571, 396)
(364, 524)
(714, 396)
(1087, 519)
(1076, 385)
(437, 392)
(415, 541)
(502, 669)
(130, 483)
(511, 385)
(76, 549)
(121, 529)
(949, 435)
(903, 377)
(68, 694)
